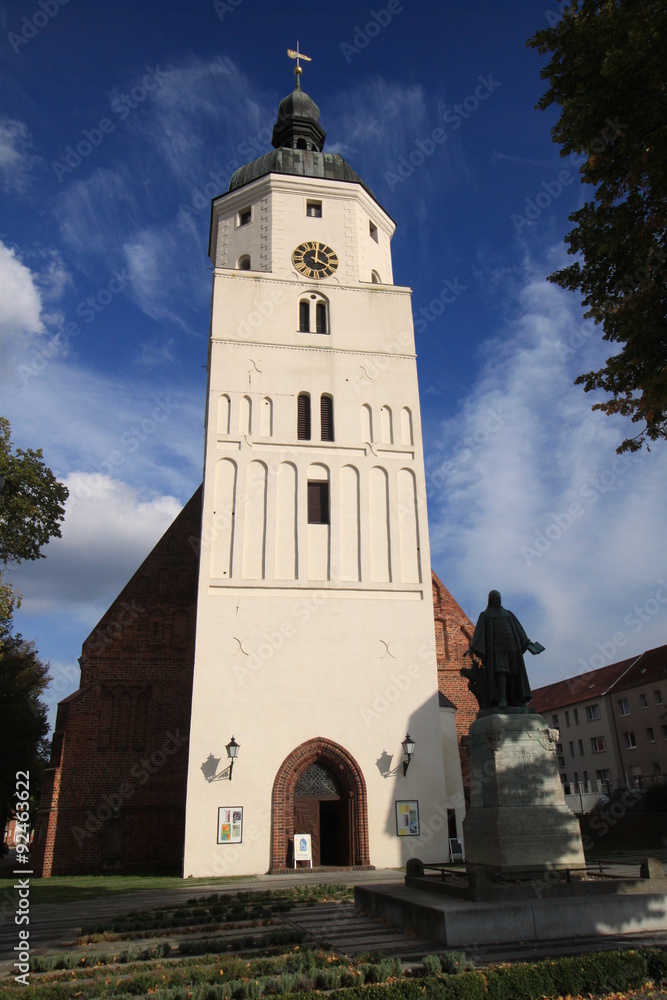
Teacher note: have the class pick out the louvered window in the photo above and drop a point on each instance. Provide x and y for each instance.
(304, 317)
(321, 317)
(326, 418)
(303, 417)
(318, 503)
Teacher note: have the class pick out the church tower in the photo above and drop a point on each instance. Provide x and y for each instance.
(314, 639)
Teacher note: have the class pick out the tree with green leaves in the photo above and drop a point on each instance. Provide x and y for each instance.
(32, 507)
(607, 73)
(23, 723)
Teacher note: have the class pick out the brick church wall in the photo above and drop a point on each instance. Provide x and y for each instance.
(453, 631)
(114, 793)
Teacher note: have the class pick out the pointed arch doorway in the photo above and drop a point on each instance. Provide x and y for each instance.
(320, 789)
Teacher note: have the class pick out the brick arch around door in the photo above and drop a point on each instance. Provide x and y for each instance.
(339, 762)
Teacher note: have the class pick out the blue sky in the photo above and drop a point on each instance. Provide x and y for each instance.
(119, 123)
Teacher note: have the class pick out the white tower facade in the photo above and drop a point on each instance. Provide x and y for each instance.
(315, 640)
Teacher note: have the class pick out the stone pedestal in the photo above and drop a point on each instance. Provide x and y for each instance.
(518, 820)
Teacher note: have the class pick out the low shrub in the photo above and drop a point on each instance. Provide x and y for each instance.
(656, 961)
(432, 965)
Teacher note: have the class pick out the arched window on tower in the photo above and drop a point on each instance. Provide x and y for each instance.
(243, 263)
(303, 417)
(304, 316)
(314, 314)
(375, 278)
(326, 418)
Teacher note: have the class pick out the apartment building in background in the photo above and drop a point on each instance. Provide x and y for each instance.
(612, 724)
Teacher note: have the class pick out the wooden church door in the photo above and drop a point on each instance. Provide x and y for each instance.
(322, 811)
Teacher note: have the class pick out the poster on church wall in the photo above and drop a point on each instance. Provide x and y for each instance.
(407, 818)
(230, 824)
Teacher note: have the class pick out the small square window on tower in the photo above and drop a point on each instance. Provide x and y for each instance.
(373, 229)
(314, 209)
(318, 503)
(245, 217)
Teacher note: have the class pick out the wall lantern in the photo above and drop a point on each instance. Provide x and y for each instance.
(232, 749)
(210, 766)
(408, 745)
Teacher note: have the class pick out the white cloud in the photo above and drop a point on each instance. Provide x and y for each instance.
(20, 301)
(95, 211)
(109, 528)
(155, 354)
(528, 495)
(16, 160)
(143, 430)
(167, 269)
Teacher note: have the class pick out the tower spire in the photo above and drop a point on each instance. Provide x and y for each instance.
(296, 54)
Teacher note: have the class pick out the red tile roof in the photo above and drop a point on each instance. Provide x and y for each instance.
(581, 687)
(646, 668)
(649, 668)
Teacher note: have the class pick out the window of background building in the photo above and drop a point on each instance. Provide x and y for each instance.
(650, 736)
(554, 721)
(623, 706)
(630, 741)
(567, 718)
(598, 744)
(592, 712)
(576, 716)
(581, 748)
(658, 697)
(643, 701)
(571, 749)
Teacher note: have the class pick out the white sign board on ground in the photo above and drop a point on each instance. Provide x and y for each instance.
(303, 850)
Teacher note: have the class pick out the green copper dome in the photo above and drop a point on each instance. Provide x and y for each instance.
(298, 139)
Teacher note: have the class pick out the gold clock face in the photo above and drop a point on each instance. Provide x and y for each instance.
(315, 260)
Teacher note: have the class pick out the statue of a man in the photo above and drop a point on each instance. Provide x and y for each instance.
(500, 641)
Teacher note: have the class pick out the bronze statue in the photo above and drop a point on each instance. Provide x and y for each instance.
(499, 641)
